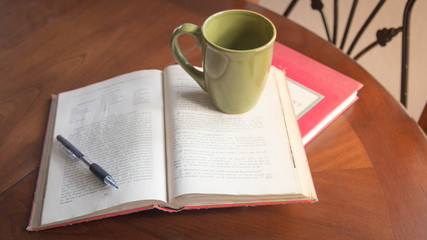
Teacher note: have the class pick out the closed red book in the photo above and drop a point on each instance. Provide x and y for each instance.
(319, 93)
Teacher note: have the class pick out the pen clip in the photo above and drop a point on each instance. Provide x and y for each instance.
(66, 152)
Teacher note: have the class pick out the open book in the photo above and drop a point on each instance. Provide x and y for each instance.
(157, 133)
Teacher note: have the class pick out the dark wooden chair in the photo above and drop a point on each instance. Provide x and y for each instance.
(423, 120)
(384, 35)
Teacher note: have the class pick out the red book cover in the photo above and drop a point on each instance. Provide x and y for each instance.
(319, 93)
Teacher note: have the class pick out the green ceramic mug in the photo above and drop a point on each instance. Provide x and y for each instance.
(237, 48)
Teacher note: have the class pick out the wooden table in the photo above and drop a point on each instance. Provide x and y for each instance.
(369, 166)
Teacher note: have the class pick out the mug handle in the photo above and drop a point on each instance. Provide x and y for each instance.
(196, 32)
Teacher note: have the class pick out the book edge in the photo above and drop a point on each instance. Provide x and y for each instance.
(37, 204)
(295, 140)
(170, 210)
(329, 119)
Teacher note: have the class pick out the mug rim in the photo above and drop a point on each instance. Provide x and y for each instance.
(260, 48)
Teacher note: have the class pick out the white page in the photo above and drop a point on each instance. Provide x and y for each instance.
(216, 153)
(118, 124)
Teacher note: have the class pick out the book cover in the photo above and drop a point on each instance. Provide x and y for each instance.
(319, 94)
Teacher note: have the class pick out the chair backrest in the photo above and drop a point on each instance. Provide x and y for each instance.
(383, 36)
(423, 120)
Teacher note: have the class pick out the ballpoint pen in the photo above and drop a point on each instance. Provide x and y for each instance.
(97, 170)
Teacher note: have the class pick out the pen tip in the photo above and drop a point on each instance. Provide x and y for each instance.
(110, 181)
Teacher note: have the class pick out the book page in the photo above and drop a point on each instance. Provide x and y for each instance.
(119, 124)
(210, 152)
